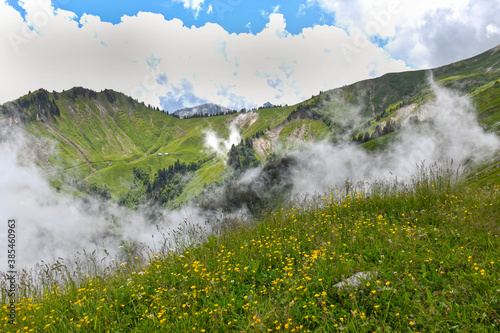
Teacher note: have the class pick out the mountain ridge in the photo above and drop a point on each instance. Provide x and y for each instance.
(202, 110)
(102, 136)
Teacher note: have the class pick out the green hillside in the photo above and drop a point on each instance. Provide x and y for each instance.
(101, 137)
(428, 254)
(415, 256)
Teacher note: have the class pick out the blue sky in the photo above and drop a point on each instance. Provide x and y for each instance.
(176, 53)
(235, 16)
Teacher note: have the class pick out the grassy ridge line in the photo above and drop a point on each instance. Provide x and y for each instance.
(115, 133)
(134, 135)
(433, 246)
(118, 136)
(101, 137)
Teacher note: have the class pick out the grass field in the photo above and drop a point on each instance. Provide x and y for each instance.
(431, 249)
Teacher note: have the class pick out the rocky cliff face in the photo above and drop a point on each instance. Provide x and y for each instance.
(36, 106)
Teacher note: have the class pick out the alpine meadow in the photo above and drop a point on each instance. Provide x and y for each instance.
(371, 207)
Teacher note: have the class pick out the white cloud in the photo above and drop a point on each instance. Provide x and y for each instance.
(302, 10)
(191, 4)
(491, 30)
(219, 145)
(451, 134)
(163, 61)
(194, 5)
(424, 33)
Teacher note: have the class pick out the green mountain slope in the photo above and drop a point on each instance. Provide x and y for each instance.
(426, 257)
(425, 253)
(101, 137)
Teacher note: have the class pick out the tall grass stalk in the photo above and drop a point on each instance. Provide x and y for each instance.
(430, 246)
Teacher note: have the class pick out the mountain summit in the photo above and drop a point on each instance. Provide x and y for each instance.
(209, 108)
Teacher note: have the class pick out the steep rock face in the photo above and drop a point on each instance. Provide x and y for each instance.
(303, 113)
(36, 106)
(82, 92)
(266, 144)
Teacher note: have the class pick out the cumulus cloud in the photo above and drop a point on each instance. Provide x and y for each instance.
(424, 33)
(164, 63)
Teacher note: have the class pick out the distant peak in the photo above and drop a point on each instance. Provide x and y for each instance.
(203, 109)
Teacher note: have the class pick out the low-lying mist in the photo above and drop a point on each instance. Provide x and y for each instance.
(53, 225)
(450, 132)
(221, 146)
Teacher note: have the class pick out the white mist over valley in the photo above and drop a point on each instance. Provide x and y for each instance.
(53, 225)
